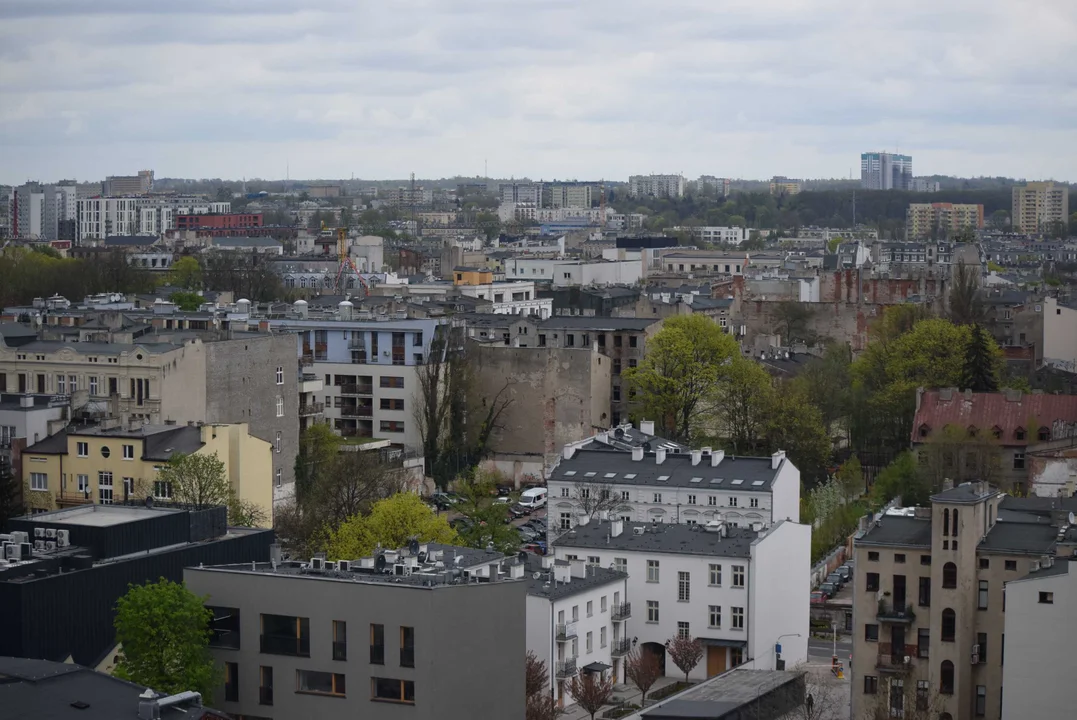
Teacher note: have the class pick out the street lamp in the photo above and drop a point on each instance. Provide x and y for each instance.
(778, 649)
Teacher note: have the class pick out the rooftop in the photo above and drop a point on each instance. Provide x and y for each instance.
(545, 585)
(967, 493)
(609, 324)
(662, 538)
(898, 530)
(1005, 412)
(753, 474)
(160, 442)
(724, 694)
(100, 515)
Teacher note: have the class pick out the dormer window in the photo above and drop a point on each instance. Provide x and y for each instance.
(997, 432)
(1044, 434)
(972, 431)
(1019, 434)
(924, 431)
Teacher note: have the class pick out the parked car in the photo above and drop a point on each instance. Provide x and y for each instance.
(829, 588)
(533, 497)
(460, 523)
(519, 510)
(836, 579)
(534, 547)
(503, 490)
(846, 572)
(527, 534)
(503, 500)
(818, 597)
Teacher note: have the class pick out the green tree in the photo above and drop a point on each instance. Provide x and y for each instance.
(676, 381)
(826, 380)
(391, 523)
(791, 321)
(832, 244)
(47, 250)
(186, 273)
(795, 425)
(966, 303)
(982, 362)
(187, 301)
(163, 629)
(318, 447)
(901, 478)
(1000, 219)
(486, 520)
(11, 505)
(851, 477)
(197, 480)
(745, 399)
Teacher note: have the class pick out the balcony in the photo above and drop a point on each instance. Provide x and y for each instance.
(285, 645)
(265, 696)
(565, 668)
(311, 409)
(68, 498)
(306, 359)
(621, 647)
(622, 611)
(894, 612)
(889, 662)
(566, 631)
(356, 389)
(357, 411)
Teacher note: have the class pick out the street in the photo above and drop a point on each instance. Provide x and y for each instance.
(820, 650)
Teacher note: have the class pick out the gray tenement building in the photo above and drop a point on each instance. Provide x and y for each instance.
(437, 629)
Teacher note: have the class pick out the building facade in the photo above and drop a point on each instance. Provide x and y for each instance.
(1060, 335)
(1037, 205)
(662, 186)
(885, 171)
(940, 220)
(101, 217)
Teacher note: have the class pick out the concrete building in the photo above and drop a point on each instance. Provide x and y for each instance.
(325, 640)
(716, 185)
(24, 420)
(529, 193)
(941, 220)
(728, 262)
(100, 217)
(43, 211)
(562, 273)
(120, 185)
(885, 171)
(784, 186)
(930, 596)
(1038, 204)
(663, 186)
(577, 614)
(924, 186)
(565, 195)
(1042, 637)
(1060, 335)
(667, 485)
(740, 591)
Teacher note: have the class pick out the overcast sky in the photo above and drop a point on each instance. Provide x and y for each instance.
(542, 88)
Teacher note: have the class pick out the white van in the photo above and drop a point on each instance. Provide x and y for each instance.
(533, 497)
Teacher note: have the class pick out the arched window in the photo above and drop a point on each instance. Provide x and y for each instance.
(946, 522)
(949, 575)
(946, 678)
(954, 529)
(949, 625)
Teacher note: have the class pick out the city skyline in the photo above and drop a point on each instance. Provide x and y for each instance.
(250, 89)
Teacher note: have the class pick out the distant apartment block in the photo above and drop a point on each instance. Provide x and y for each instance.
(784, 186)
(42, 212)
(324, 191)
(885, 171)
(101, 217)
(128, 184)
(660, 186)
(940, 220)
(521, 192)
(1036, 205)
(709, 183)
(924, 185)
(218, 222)
(570, 195)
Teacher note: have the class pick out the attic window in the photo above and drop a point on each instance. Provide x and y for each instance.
(696, 480)
(972, 431)
(997, 432)
(716, 481)
(737, 481)
(610, 475)
(630, 476)
(1044, 434)
(570, 473)
(924, 430)
(757, 482)
(80, 705)
(663, 478)
(1019, 433)
(589, 474)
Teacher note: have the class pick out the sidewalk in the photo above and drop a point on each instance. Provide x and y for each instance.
(628, 692)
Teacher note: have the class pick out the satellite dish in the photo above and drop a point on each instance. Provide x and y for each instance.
(619, 433)
(413, 546)
(379, 563)
(1073, 519)
(422, 557)
(646, 447)
(149, 502)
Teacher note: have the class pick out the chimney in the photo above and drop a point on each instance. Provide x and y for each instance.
(660, 455)
(637, 454)
(583, 519)
(716, 457)
(776, 459)
(516, 571)
(617, 527)
(697, 455)
(603, 437)
(26, 401)
(646, 427)
(562, 573)
(569, 452)
(578, 568)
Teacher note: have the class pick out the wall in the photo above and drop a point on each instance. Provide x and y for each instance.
(1052, 473)
(785, 492)
(1059, 335)
(779, 588)
(248, 463)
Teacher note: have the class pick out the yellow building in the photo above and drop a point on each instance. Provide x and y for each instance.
(84, 465)
(1037, 205)
(472, 276)
(923, 219)
(784, 186)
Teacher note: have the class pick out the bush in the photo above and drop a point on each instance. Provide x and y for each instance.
(670, 690)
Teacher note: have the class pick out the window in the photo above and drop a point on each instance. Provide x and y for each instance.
(602, 636)
(871, 684)
(84, 483)
(620, 564)
(691, 499)
(981, 640)
(340, 640)
(593, 560)
(602, 604)
(712, 500)
(280, 375)
(738, 576)
(923, 642)
(899, 557)
(715, 574)
(575, 608)
(1011, 565)
(277, 442)
(732, 501)
(683, 630)
(285, 635)
(590, 608)
(585, 493)
(231, 682)
(588, 644)
(658, 497)
(946, 678)
(105, 451)
(387, 381)
(407, 646)
(949, 625)
(564, 492)
(897, 697)
(39, 481)
(224, 627)
(949, 575)
(652, 611)
(873, 556)
(386, 690)
(61, 384)
(265, 686)
(1018, 460)
(377, 644)
(945, 522)
(128, 452)
(566, 520)
(391, 403)
(93, 386)
(754, 502)
(1047, 598)
(652, 571)
(396, 426)
(319, 683)
(872, 580)
(981, 599)
(1044, 434)
(985, 563)
(104, 487)
(738, 618)
(82, 449)
(684, 586)
(871, 633)
(981, 700)
(278, 477)
(162, 490)
(925, 592)
(953, 529)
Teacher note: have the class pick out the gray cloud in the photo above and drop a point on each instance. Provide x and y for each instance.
(559, 88)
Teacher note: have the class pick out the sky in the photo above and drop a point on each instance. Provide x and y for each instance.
(544, 89)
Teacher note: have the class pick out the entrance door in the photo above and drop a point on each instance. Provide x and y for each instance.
(715, 660)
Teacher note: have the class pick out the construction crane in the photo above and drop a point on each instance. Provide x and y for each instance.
(346, 263)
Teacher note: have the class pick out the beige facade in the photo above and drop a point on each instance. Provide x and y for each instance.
(924, 220)
(1037, 204)
(928, 603)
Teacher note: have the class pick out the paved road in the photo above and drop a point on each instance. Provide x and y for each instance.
(818, 648)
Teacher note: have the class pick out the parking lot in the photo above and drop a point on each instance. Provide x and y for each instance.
(536, 519)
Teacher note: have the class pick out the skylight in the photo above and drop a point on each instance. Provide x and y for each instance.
(610, 475)
(716, 481)
(738, 481)
(589, 474)
(663, 478)
(757, 482)
(696, 480)
(570, 472)
(630, 476)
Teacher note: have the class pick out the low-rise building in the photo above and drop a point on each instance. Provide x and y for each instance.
(562, 273)
(706, 261)
(434, 631)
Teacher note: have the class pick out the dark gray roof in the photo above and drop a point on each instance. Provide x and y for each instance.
(627, 437)
(471, 556)
(1021, 538)
(545, 587)
(55, 444)
(1059, 566)
(16, 330)
(753, 473)
(609, 324)
(161, 441)
(45, 690)
(99, 348)
(661, 538)
(245, 242)
(723, 694)
(13, 401)
(964, 493)
(899, 530)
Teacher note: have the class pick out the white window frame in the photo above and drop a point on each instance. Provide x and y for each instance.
(280, 375)
(277, 442)
(280, 406)
(128, 452)
(738, 618)
(83, 482)
(104, 489)
(684, 629)
(652, 611)
(82, 449)
(738, 576)
(684, 586)
(653, 571)
(39, 481)
(715, 574)
(279, 477)
(715, 614)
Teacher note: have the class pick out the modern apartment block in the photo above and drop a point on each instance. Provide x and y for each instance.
(565, 195)
(661, 186)
(885, 171)
(105, 216)
(119, 185)
(42, 211)
(929, 599)
(1038, 204)
(941, 220)
(709, 183)
(521, 192)
(431, 632)
(740, 591)
(668, 485)
(780, 185)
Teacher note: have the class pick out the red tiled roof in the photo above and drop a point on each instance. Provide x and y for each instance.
(1007, 411)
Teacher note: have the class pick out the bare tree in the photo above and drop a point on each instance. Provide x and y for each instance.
(540, 704)
(902, 697)
(825, 697)
(246, 513)
(352, 483)
(685, 652)
(643, 669)
(591, 690)
(594, 498)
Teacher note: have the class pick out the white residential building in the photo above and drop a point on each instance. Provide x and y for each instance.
(717, 234)
(576, 617)
(740, 591)
(666, 486)
(668, 186)
(40, 212)
(521, 192)
(564, 273)
(1059, 335)
(101, 217)
(1038, 647)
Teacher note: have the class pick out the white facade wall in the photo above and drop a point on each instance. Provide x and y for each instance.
(1059, 336)
(410, 394)
(785, 493)
(727, 235)
(511, 298)
(780, 589)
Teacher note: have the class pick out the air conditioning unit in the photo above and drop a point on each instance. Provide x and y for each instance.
(317, 563)
(330, 565)
(63, 538)
(39, 532)
(11, 552)
(975, 659)
(344, 565)
(50, 533)
(39, 545)
(638, 530)
(50, 545)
